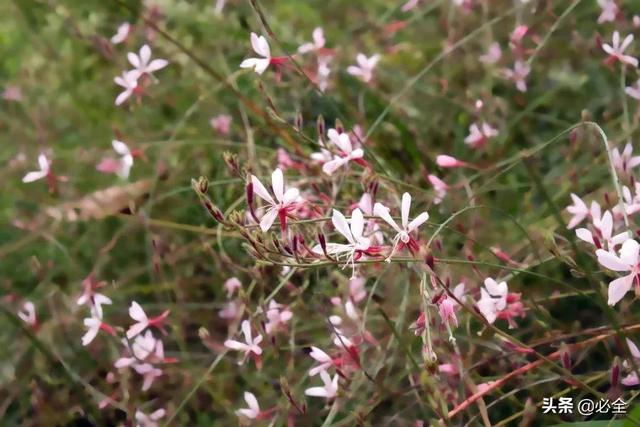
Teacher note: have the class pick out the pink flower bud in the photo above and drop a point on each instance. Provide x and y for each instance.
(445, 161)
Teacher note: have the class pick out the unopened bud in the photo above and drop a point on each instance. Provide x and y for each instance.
(339, 126)
(615, 372)
(321, 128)
(430, 261)
(231, 160)
(565, 357)
(298, 123)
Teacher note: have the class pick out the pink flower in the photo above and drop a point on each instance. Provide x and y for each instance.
(12, 93)
(403, 233)
(28, 314)
(277, 316)
(445, 161)
(253, 411)
(231, 285)
(323, 72)
(634, 91)
(478, 136)
(329, 390)
(261, 47)
(357, 292)
(281, 207)
(365, 67)
(149, 374)
(624, 162)
(229, 311)
(440, 188)
(44, 172)
(151, 420)
(142, 321)
(129, 81)
(616, 49)
(143, 63)
(447, 306)
(120, 167)
(251, 345)
(518, 74)
(579, 211)
(627, 260)
(605, 229)
(122, 33)
(221, 123)
(317, 44)
(411, 4)
(609, 11)
(347, 153)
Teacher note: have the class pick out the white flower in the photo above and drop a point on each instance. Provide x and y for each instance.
(129, 81)
(261, 47)
(322, 358)
(605, 225)
(251, 345)
(579, 211)
(479, 135)
(143, 63)
(253, 411)
(342, 142)
(403, 233)
(329, 390)
(151, 420)
(122, 33)
(317, 44)
(93, 325)
(493, 299)
(284, 203)
(626, 161)
(126, 158)
(45, 169)
(364, 69)
(352, 232)
(633, 91)
(28, 313)
(142, 321)
(616, 49)
(627, 260)
(96, 301)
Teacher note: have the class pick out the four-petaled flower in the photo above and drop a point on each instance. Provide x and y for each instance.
(605, 228)
(364, 69)
(261, 47)
(518, 74)
(625, 161)
(251, 345)
(253, 411)
(479, 135)
(493, 299)
(277, 316)
(143, 63)
(329, 390)
(129, 81)
(142, 320)
(44, 172)
(403, 233)
(151, 420)
(616, 50)
(346, 152)
(358, 244)
(281, 207)
(627, 260)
